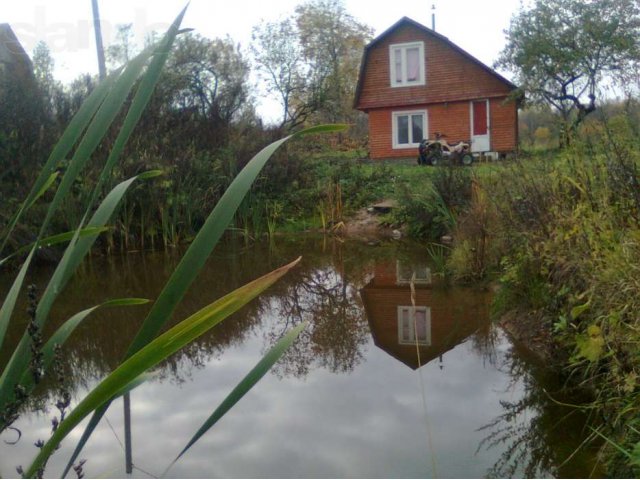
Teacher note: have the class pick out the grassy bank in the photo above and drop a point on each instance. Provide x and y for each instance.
(298, 191)
(560, 232)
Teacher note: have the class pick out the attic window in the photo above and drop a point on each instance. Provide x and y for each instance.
(407, 64)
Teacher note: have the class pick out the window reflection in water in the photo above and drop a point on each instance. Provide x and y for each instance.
(432, 317)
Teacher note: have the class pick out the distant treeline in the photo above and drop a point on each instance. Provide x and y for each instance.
(201, 125)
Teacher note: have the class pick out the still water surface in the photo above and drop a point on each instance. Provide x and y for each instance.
(354, 397)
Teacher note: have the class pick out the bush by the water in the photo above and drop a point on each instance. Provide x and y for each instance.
(567, 228)
(429, 205)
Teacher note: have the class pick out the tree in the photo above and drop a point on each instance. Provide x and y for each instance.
(54, 98)
(332, 42)
(22, 121)
(210, 76)
(279, 59)
(311, 60)
(201, 93)
(43, 64)
(563, 50)
(123, 48)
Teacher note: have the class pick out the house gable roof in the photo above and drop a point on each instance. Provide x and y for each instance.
(404, 21)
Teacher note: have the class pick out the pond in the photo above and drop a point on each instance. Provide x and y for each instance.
(364, 392)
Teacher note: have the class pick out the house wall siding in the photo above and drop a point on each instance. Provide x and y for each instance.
(450, 75)
(451, 119)
(503, 114)
(452, 318)
(14, 60)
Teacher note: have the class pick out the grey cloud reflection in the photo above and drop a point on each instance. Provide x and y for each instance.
(339, 405)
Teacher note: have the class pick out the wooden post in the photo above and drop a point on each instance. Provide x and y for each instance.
(127, 433)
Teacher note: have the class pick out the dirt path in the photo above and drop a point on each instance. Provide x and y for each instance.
(367, 222)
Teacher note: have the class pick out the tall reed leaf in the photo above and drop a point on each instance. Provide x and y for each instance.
(247, 383)
(154, 353)
(55, 240)
(194, 259)
(208, 236)
(10, 301)
(47, 184)
(73, 255)
(66, 329)
(140, 101)
(97, 130)
(116, 89)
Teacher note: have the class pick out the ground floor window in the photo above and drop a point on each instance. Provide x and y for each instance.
(409, 128)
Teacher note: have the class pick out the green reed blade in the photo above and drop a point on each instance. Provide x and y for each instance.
(55, 240)
(208, 236)
(73, 255)
(70, 136)
(10, 301)
(76, 251)
(140, 100)
(138, 104)
(155, 352)
(247, 383)
(45, 186)
(98, 128)
(118, 89)
(135, 383)
(194, 259)
(66, 329)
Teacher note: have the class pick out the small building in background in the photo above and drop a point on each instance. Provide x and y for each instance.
(415, 83)
(14, 60)
(22, 115)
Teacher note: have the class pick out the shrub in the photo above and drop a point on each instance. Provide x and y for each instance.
(570, 230)
(429, 208)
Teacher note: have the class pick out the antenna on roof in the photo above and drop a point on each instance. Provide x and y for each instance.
(433, 17)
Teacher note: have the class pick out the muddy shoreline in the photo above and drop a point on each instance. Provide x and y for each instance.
(533, 332)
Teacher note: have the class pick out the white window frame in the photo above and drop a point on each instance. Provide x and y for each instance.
(412, 337)
(403, 47)
(413, 142)
(423, 274)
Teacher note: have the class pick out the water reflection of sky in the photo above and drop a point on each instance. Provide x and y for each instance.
(370, 423)
(366, 420)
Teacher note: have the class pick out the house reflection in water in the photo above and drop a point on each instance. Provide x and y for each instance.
(444, 316)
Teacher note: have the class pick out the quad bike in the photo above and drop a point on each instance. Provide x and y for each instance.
(435, 152)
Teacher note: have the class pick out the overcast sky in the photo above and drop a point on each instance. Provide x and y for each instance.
(66, 25)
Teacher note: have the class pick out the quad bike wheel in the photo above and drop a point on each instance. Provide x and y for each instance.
(467, 159)
(435, 156)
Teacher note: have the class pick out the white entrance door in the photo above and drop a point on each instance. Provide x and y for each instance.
(480, 141)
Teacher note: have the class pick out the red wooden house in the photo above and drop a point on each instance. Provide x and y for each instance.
(415, 82)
